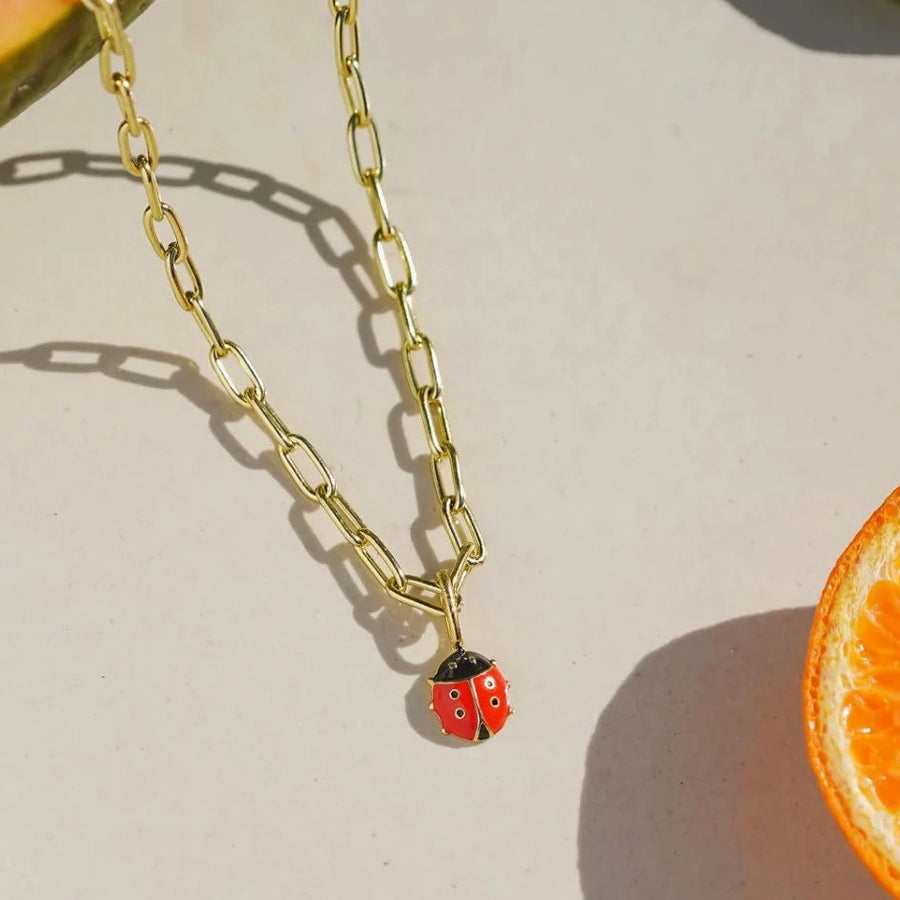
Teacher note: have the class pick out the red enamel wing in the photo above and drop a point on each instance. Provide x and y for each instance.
(470, 696)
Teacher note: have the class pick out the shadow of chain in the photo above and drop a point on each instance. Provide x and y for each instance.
(391, 626)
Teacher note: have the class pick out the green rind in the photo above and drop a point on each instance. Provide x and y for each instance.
(40, 66)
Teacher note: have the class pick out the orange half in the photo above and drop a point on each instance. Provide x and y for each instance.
(851, 693)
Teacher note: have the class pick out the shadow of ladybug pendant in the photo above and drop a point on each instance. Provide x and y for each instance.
(470, 696)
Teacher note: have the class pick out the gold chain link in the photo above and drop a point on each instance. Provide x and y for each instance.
(243, 383)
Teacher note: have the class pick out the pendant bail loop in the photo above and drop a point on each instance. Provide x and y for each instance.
(451, 602)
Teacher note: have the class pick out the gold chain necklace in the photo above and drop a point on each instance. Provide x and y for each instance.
(469, 693)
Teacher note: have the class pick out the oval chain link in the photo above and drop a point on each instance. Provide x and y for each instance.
(317, 484)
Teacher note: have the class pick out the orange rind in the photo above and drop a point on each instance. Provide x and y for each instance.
(851, 693)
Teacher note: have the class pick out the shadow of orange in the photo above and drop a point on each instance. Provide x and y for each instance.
(697, 785)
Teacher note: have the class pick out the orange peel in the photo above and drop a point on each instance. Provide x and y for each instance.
(851, 693)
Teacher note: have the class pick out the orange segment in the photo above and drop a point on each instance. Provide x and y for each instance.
(852, 693)
(872, 712)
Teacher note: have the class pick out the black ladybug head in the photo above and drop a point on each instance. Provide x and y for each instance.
(462, 665)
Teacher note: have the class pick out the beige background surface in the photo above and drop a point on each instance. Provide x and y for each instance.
(657, 245)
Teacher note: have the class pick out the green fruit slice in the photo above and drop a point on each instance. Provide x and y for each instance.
(42, 42)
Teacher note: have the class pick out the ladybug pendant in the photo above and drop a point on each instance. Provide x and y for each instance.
(470, 696)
